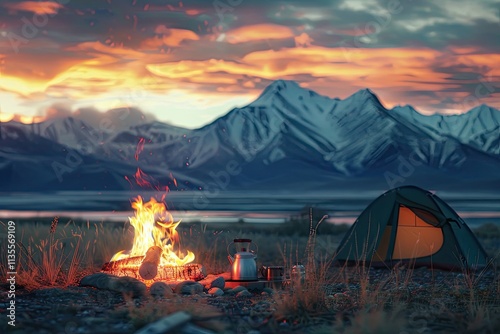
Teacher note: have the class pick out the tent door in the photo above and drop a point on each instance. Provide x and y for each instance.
(415, 238)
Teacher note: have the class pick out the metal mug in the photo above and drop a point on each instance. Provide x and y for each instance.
(272, 273)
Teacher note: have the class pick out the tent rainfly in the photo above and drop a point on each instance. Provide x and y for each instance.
(412, 226)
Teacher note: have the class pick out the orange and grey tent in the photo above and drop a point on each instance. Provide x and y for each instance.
(413, 226)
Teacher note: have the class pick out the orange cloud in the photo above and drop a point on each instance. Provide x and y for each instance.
(314, 61)
(258, 32)
(338, 71)
(101, 69)
(193, 12)
(37, 7)
(303, 40)
(20, 118)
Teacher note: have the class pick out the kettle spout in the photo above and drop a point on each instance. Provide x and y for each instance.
(230, 259)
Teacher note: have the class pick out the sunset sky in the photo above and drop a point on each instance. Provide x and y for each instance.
(190, 62)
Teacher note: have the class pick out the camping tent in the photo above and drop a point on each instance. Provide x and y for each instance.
(411, 225)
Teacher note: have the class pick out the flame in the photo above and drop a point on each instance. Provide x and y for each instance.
(141, 179)
(140, 147)
(154, 226)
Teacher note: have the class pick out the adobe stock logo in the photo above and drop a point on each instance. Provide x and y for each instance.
(32, 26)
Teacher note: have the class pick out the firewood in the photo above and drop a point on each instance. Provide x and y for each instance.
(149, 266)
(130, 267)
(167, 324)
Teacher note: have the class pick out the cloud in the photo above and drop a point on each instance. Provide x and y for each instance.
(394, 71)
(316, 61)
(36, 7)
(258, 32)
(303, 40)
(117, 53)
(171, 37)
(116, 119)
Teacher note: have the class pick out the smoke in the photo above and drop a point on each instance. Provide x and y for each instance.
(58, 110)
(119, 118)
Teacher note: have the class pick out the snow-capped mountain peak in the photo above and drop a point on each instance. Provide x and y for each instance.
(479, 127)
(289, 133)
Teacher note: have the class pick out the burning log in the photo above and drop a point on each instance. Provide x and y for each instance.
(149, 266)
(130, 267)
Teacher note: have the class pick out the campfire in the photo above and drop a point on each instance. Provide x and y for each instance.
(155, 254)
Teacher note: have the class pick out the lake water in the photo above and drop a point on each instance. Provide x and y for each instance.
(251, 207)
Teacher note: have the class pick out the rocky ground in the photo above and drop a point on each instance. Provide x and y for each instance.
(418, 300)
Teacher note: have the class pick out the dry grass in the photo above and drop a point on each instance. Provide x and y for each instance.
(51, 253)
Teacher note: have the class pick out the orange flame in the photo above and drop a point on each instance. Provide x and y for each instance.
(154, 226)
(140, 147)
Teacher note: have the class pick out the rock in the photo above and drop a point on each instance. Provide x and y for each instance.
(269, 291)
(122, 284)
(127, 285)
(98, 280)
(160, 289)
(188, 288)
(212, 281)
(219, 282)
(215, 292)
(244, 293)
(236, 289)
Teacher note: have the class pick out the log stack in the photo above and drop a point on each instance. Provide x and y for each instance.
(130, 267)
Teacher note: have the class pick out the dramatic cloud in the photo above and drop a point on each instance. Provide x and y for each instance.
(190, 62)
(37, 7)
(259, 32)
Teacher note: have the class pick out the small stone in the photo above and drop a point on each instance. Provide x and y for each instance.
(188, 288)
(219, 282)
(160, 289)
(126, 285)
(244, 293)
(215, 292)
(212, 281)
(237, 289)
(98, 280)
(269, 291)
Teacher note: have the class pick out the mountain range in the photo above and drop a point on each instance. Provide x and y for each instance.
(288, 139)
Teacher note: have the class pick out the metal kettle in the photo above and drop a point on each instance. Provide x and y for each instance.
(243, 264)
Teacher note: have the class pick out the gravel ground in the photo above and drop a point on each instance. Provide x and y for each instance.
(433, 301)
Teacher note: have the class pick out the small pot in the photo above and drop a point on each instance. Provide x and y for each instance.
(272, 273)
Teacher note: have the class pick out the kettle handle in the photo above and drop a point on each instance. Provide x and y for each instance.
(256, 249)
(252, 251)
(263, 271)
(227, 248)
